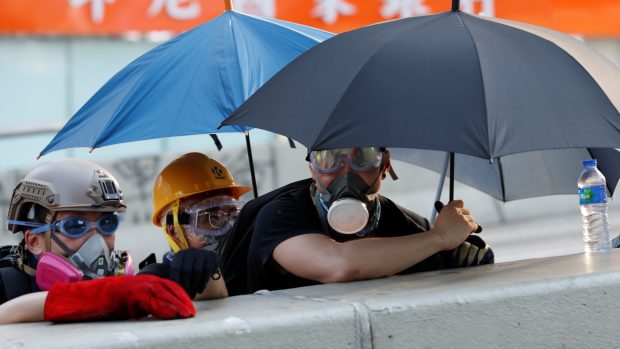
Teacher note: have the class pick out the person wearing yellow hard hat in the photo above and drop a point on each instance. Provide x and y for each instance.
(196, 201)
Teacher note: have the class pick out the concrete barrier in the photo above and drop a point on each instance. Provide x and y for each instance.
(558, 302)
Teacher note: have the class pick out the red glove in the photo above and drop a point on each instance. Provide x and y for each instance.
(117, 298)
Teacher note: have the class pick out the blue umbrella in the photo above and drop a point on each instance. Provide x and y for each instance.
(189, 84)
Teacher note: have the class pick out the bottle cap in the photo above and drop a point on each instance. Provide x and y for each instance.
(589, 163)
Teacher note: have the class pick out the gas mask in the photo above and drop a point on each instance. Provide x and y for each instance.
(348, 203)
(91, 261)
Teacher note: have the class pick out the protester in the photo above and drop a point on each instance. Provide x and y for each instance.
(196, 201)
(337, 228)
(69, 211)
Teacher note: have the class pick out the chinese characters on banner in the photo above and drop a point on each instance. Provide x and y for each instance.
(115, 17)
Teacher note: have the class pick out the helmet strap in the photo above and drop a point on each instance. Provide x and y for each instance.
(21, 250)
(48, 241)
(171, 242)
(178, 230)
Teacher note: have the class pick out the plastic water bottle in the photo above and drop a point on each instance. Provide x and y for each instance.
(593, 203)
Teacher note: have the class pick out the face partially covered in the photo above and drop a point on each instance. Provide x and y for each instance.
(364, 162)
(73, 229)
(203, 219)
(347, 182)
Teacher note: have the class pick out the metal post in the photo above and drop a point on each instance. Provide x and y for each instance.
(456, 5)
(442, 179)
(249, 148)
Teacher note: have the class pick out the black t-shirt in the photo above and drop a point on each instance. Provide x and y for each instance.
(294, 214)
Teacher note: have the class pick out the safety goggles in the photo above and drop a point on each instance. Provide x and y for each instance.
(212, 216)
(359, 159)
(75, 227)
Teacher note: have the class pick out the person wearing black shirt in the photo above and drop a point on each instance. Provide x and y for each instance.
(337, 228)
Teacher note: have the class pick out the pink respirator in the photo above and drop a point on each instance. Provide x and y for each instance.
(93, 260)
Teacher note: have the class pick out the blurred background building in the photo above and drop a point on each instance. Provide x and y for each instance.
(55, 54)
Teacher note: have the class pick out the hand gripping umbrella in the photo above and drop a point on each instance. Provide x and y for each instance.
(189, 84)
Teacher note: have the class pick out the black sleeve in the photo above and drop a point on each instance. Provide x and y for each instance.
(279, 221)
(2, 292)
(15, 283)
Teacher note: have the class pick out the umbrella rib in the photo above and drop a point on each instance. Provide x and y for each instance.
(232, 33)
(501, 178)
(484, 95)
(187, 91)
(98, 139)
(283, 26)
(606, 182)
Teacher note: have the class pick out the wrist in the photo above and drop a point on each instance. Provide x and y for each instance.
(436, 241)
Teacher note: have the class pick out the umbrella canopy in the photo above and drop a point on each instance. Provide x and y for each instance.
(522, 175)
(453, 82)
(189, 84)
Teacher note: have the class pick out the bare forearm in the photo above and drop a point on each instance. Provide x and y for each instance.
(215, 289)
(319, 258)
(379, 257)
(26, 308)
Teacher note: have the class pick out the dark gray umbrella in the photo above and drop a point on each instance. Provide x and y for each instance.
(521, 175)
(452, 82)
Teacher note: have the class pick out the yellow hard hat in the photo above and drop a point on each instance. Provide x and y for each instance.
(190, 174)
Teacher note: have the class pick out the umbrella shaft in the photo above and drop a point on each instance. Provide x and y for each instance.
(451, 176)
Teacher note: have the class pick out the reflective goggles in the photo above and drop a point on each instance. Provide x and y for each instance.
(75, 227)
(360, 159)
(209, 216)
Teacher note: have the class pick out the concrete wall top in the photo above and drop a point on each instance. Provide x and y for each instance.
(568, 301)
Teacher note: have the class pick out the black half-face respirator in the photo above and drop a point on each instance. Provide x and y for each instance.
(348, 201)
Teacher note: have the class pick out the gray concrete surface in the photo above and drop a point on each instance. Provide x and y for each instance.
(558, 302)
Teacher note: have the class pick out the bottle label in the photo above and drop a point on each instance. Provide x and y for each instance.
(593, 195)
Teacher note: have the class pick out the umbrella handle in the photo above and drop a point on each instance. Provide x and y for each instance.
(228, 5)
(439, 205)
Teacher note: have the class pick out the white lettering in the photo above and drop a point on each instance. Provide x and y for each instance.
(176, 9)
(263, 8)
(404, 8)
(487, 7)
(330, 10)
(97, 7)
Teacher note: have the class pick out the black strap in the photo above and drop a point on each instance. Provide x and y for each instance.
(183, 218)
(216, 140)
(150, 259)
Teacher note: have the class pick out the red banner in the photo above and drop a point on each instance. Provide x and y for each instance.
(116, 17)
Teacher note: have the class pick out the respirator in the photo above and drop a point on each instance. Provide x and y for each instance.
(91, 261)
(348, 203)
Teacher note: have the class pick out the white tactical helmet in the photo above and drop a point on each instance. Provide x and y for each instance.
(64, 185)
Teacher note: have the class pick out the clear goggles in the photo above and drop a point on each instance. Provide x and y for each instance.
(359, 159)
(210, 217)
(75, 227)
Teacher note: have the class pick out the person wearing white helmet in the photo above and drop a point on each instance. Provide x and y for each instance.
(68, 211)
(196, 201)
